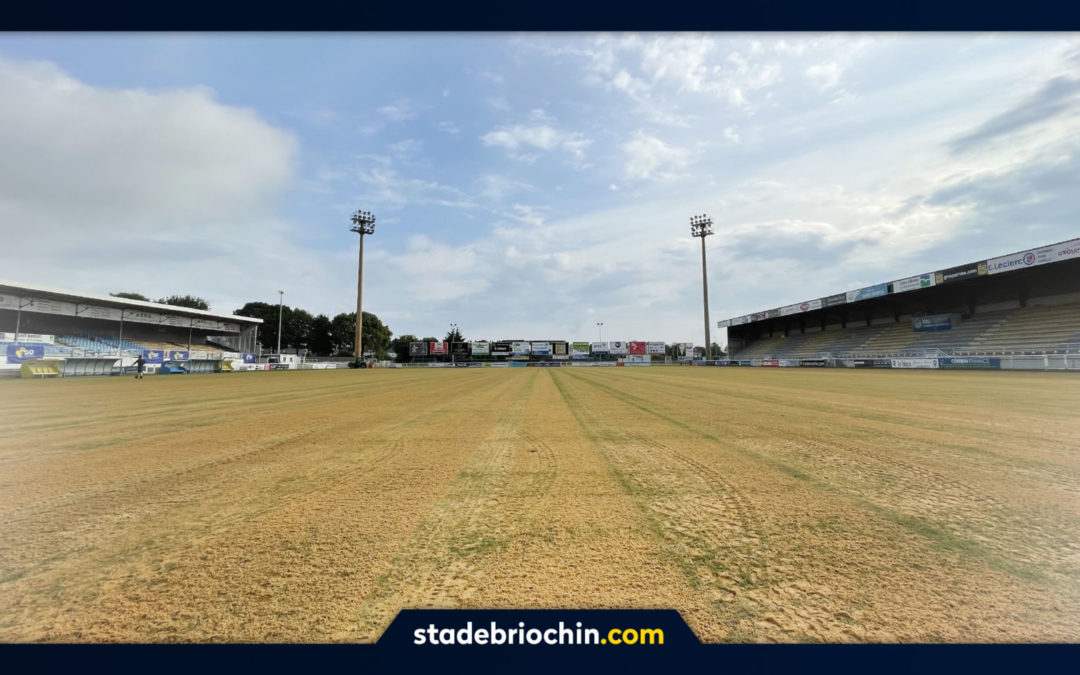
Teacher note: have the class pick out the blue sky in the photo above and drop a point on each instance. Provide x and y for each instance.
(530, 185)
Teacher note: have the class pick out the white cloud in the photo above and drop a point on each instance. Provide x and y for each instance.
(649, 157)
(539, 134)
(400, 110)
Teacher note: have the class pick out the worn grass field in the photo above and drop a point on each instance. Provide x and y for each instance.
(765, 505)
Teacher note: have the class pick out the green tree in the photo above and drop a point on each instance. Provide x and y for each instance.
(320, 341)
(131, 296)
(269, 314)
(400, 347)
(376, 334)
(296, 328)
(185, 301)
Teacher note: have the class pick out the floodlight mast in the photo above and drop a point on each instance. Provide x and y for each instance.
(702, 226)
(363, 223)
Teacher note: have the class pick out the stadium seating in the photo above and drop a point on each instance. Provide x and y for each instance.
(1039, 328)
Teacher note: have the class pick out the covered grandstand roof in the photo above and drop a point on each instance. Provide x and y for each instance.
(11, 288)
(1051, 253)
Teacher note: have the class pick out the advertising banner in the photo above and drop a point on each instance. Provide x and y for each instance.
(746, 362)
(520, 348)
(1015, 261)
(740, 320)
(437, 348)
(770, 362)
(9, 302)
(913, 283)
(772, 313)
(176, 355)
(20, 353)
(50, 306)
(914, 363)
(153, 355)
(757, 316)
(560, 349)
(833, 300)
(561, 357)
(808, 306)
(867, 363)
(723, 323)
(540, 348)
(734, 363)
(638, 348)
(140, 316)
(638, 358)
(684, 350)
(931, 322)
(1067, 250)
(248, 357)
(813, 363)
(599, 347)
(875, 291)
(480, 348)
(580, 350)
(970, 363)
(656, 348)
(619, 348)
(960, 273)
(417, 348)
(501, 349)
(789, 363)
(29, 337)
(460, 348)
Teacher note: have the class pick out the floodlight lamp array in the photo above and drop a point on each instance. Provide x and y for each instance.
(363, 222)
(701, 226)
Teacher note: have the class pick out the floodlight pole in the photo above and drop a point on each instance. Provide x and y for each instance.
(363, 223)
(453, 334)
(281, 299)
(702, 226)
(600, 329)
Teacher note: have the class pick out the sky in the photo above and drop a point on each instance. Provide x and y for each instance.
(529, 185)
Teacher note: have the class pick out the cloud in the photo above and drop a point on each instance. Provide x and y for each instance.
(400, 110)
(649, 157)
(1057, 97)
(449, 128)
(539, 134)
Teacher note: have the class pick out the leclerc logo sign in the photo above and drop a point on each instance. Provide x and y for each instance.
(1008, 263)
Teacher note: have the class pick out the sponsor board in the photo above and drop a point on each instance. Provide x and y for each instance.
(520, 348)
(499, 365)
(656, 348)
(599, 347)
(770, 362)
(639, 358)
(21, 353)
(518, 364)
(914, 363)
(580, 350)
(740, 320)
(560, 349)
(439, 365)
(561, 357)
(481, 348)
(543, 364)
(619, 347)
(248, 357)
(176, 355)
(931, 322)
(875, 291)
(437, 348)
(746, 362)
(540, 348)
(28, 337)
(1016, 261)
(468, 364)
(723, 323)
(502, 348)
(833, 300)
(684, 350)
(970, 362)
(595, 364)
(9, 302)
(813, 363)
(1067, 250)
(789, 363)
(418, 348)
(913, 283)
(460, 348)
(95, 312)
(867, 363)
(734, 363)
(960, 273)
(50, 306)
(772, 313)
(808, 306)
(637, 348)
(153, 355)
(757, 316)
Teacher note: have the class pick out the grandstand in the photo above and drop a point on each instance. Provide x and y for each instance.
(1021, 304)
(91, 333)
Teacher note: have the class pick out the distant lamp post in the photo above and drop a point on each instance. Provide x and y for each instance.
(281, 298)
(453, 334)
(702, 226)
(600, 330)
(363, 223)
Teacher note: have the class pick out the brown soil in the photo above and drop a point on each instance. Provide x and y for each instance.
(764, 505)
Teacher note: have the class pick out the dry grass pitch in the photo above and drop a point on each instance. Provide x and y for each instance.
(765, 505)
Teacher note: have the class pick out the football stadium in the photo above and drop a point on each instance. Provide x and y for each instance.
(852, 481)
(850, 418)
